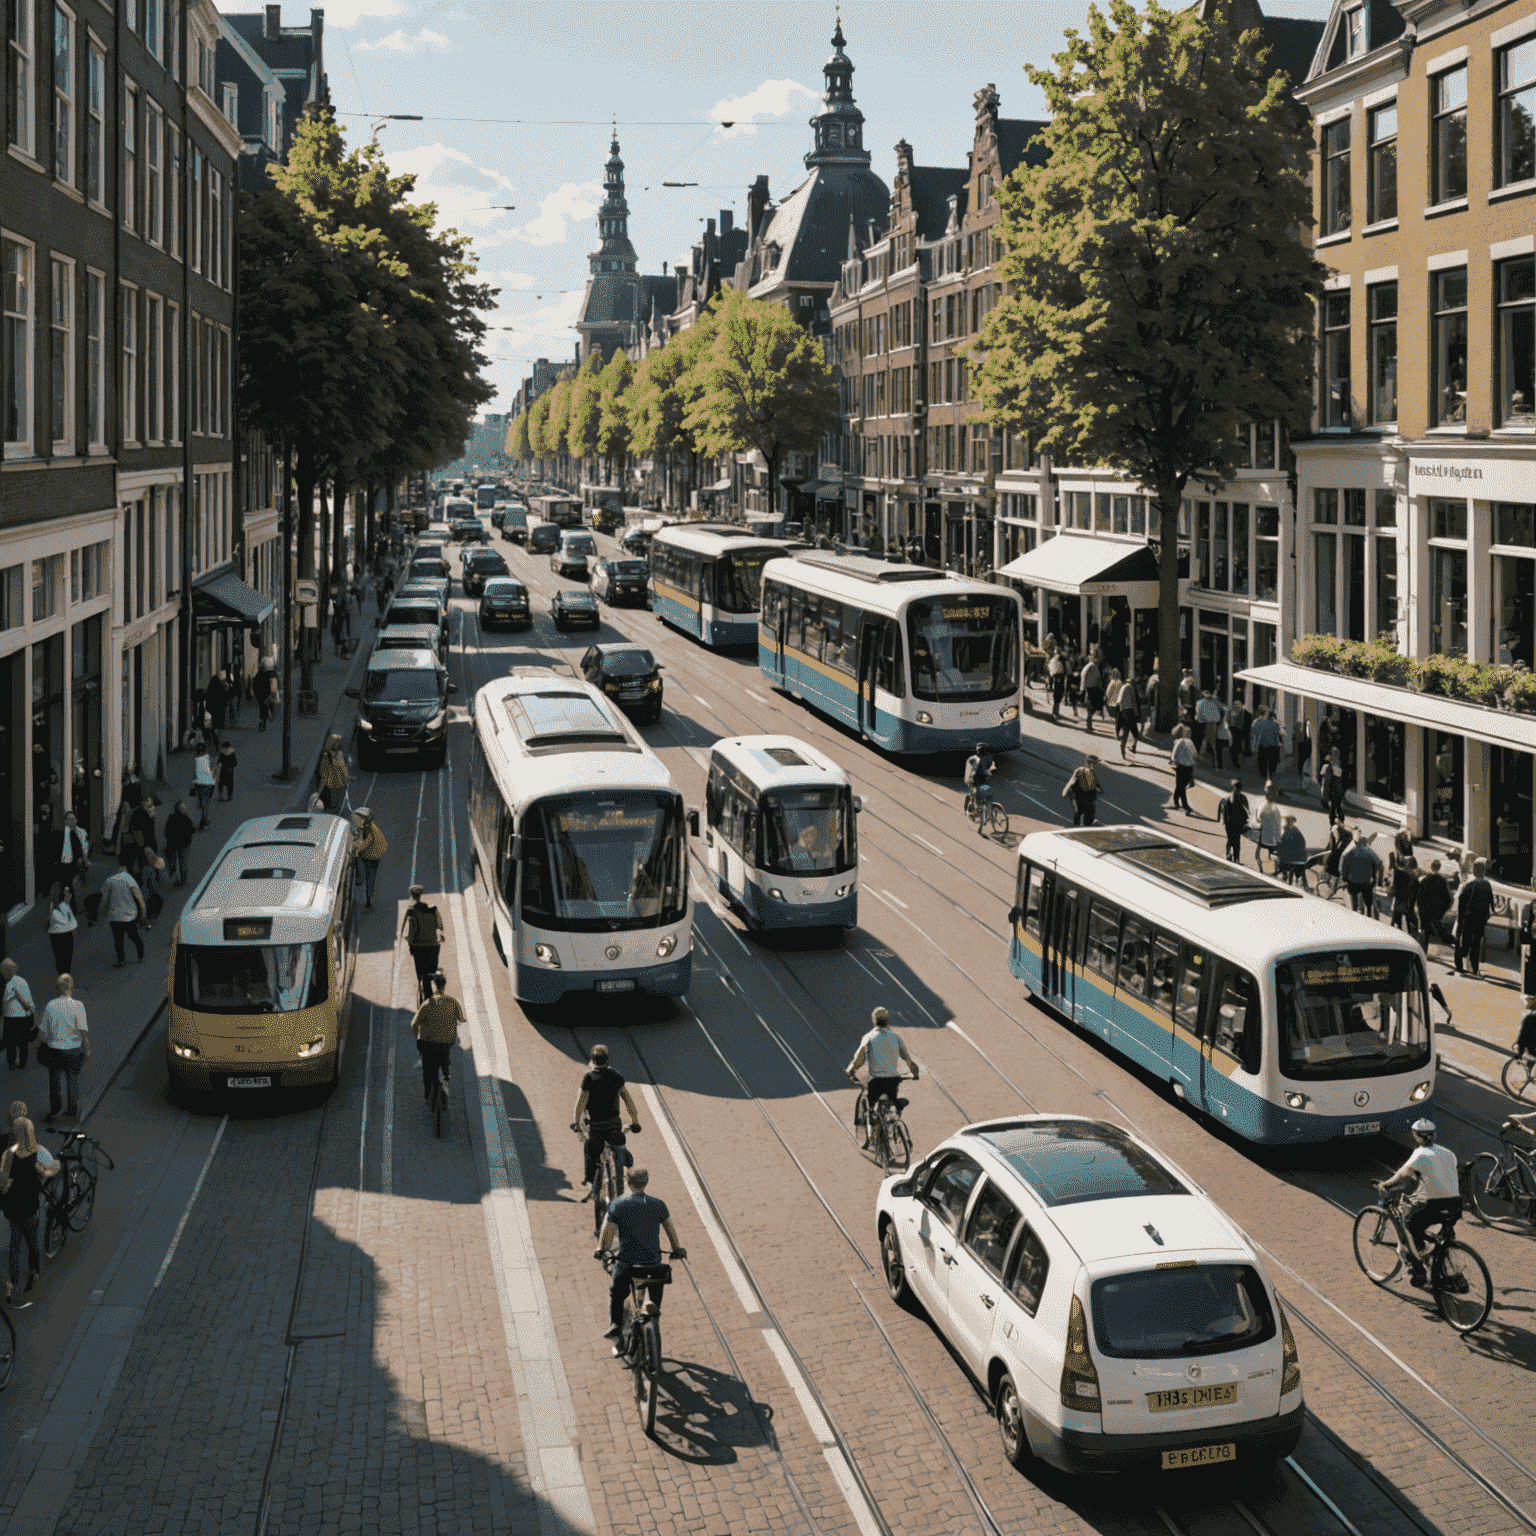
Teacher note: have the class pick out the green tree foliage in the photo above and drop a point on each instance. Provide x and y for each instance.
(1160, 298)
(517, 445)
(761, 382)
(539, 438)
(613, 426)
(557, 423)
(586, 410)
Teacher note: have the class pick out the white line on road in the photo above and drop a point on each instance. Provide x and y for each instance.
(707, 705)
(926, 844)
(897, 899)
(197, 1189)
(756, 695)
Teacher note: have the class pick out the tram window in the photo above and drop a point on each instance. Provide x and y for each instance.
(831, 632)
(1027, 1271)
(990, 1229)
(714, 794)
(888, 670)
(1186, 1007)
(810, 641)
(1133, 957)
(797, 620)
(1164, 971)
(1235, 1024)
(1103, 938)
(772, 596)
(848, 649)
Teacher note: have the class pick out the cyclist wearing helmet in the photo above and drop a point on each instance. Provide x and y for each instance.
(1431, 1173)
(979, 768)
(885, 1051)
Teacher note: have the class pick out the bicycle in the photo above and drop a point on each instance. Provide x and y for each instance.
(439, 1107)
(608, 1180)
(1498, 1190)
(70, 1195)
(886, 1135)
(1458, 1278)
(1518, 1076)
(640, 1334)
(983, 809)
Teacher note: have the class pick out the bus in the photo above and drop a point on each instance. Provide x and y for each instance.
(780, 838)
(914, 660)
(562, 511)
(579, 834)
(262, 960)
(1278, 1014)
(603, 506)
(485, 497)
(707, 579)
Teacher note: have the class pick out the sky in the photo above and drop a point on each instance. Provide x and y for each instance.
(517, 102)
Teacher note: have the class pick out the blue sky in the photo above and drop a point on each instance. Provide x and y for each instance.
(672, 72)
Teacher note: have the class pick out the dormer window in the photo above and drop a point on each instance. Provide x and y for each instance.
(1354, 32)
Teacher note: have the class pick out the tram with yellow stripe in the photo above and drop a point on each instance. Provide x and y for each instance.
(706, 580)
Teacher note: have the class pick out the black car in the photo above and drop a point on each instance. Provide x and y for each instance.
(573, 609)
(414, 608)
(413, 637)
(621, 579)
(402, 708)
(505, 601)
(629, 675)
(468, 530)
(479, 563)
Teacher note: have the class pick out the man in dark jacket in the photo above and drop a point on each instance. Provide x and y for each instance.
(1233, 813)
(179, 828)
(1434, 899)
(1474, 906)
(264, 690)
(215, 697)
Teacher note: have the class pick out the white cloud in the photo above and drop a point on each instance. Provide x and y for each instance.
(398, 42)
(465, 193)
(573, 200)
(773, 98)
(508, 279)
(347, 13)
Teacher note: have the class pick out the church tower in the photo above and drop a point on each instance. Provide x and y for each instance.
(615, 253)
(839, 126)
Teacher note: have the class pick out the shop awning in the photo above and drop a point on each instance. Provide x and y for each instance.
(828, 490)
(1498, 727)
(721, 485)
(1079, 567)
(226, 600)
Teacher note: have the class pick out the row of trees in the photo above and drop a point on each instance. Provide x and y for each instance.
(745, 376)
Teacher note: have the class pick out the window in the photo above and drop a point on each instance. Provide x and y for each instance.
(173, 344)
(1354, 32)
(1448, 347)
(1133, 957)
(213, 249)
(1517, 341)
(130, 156)
(1336, 400)
(194, 207)
(47, 578)
(1186, 1003)
(1515, 159)
(1240, 548)
(1325, 582)
(128, 385)
(18, 344)
(990, 1228)
(1336, 207)
(1354, 508)
(11, 614)
(20, 75)
(1025, 1280)
(1235, 1025)
(1103, 938)
(1386, 586)
(95, 128)
(1448, 601)
(949, 1190)
(63, 95)
(1381, 179)
(154, 340)
(95, 379)
(1381, 305)
(1448, 136)
(61, 353)
(154, 133)
(154, 28)
(1447, 519)
(172, 191)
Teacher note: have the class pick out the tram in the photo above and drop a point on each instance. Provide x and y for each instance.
(706, 579)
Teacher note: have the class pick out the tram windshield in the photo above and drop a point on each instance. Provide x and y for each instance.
(807, 832)
(1352, 1013)
(740, 580)
(964, 647)
(595, 863)
(250, 978)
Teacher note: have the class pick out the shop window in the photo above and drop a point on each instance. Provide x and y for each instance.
(1386, 588)
(1515, 159)
(1325, 583)
(1240, 548)
(1339, 728)
(1384, 759)
(1325, 506)
(1509, 838)
(1336, 209)
(1443, 785)
(1382, 305)
(1447, 518)
(1386, 509)
(1514, 523)
(1448, 601)
(1354, 508)
(1448, 346)
(1266, 553)
(1354, 587)
(1514, 610)
(1336, 398)
(1517, 342)
(1381, 180)
(1448, 136)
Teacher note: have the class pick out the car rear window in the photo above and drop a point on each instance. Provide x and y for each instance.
(1184, 1309)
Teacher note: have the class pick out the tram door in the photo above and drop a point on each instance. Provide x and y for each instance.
(871, 637)
(1058, 931)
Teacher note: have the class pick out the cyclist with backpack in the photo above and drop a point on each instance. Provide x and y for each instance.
(423, 932)
(979, 768)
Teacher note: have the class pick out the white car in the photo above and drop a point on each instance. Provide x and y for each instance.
(1116, 1319)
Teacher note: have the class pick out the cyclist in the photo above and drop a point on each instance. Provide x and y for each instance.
(436, 1028)
(423, 932)
(885, 1051)
(601, 1090)
(1431, 1173)
(979, 768)
(637, 1220)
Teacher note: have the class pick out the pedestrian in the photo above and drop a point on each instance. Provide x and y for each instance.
(203, 783)
(1223, 742)
(1233, 813)
(264, 691)
(369, 848)
(1270, 828)
(423, 932)
(1056, 678)
(1291, 853)
(1188, 695)
(1083, 789)
(1239, 725)
(18, 1013)
(1331, 786)
(179, 828)
(1091, 681)
(1265, 737)
(1184, 758)
(1404, 870)
(149, 884)
(62, 925)
(1074, 678)
(1128, 710)
(215, 697)
(1149, 699)
(67, 1040)
(381, 594)
(125, 907)
(333, 775)
(1527, 939)
(227, 763)
(74, 855)
(1303, 749)
(1434, 899)
(339, 625)
(1474, 906)
(1360, 866)
(21, 1192)
(1208, 718)
(141, 834)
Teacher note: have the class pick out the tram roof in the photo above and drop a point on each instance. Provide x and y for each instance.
(713, 538)
(273, 882)
(780, 762)
(872, 583)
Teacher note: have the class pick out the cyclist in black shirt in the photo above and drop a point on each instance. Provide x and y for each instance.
(601, 1090)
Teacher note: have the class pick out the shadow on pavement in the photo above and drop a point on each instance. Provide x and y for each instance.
(705, 1416)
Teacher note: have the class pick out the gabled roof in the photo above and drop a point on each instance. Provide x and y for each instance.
(930, 187)
(1014, 135)
(1292, 44)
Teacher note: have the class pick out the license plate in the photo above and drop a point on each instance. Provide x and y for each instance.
(1198, 1456)
(250, 1082)
(1362, 1127)
(1218, 1395)
(616, 986)
(632, 693)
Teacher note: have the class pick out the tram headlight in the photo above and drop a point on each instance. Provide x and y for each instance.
(1296, 1100)
(313, 1048)
(775, 893)
(185, 1051)
(843, 890)
(548, 954)
(924, 718)
(1009, 712)
(1420, 1092)
(667, 945)
(364, 724)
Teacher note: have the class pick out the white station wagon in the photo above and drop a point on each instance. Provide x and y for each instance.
(1115, 1318)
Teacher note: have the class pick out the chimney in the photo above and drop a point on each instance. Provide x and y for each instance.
(727, 220)
(272, 27)
(757, 201)
(663, 269)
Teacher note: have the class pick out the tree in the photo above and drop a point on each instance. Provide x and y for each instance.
(557, 423)
(663, 390)
(613, 425)
(1160, 296)
(517, 446)
(762, 383)
(539, 438)
(586, 411)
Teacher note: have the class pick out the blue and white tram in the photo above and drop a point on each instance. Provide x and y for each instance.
(780, 836)
(1277, 1013)
(706, 579)
(580, 835)
(914, 660)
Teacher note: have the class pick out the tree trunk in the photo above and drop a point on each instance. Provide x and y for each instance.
(1170, 652)
(308, 479)
(339, 542)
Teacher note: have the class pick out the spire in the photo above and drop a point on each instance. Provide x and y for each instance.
(614, 253)
(839, 127)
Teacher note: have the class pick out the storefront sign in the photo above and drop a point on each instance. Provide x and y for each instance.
(306, 593)
(1473, 479)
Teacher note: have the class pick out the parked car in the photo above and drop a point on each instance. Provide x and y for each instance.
(629, 675)
(572, 609)
(577, 548)
(479, 563)
(431, 568)
(402, 708)
(417, 608)
(621, 579)
(505, 601)
(1116, 1320)
(413, 637)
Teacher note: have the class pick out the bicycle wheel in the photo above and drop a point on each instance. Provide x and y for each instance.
(439, 1109)
(900, 1142)
(1488, 1188)
(55, 1226)
(861, 1118)
(7, 1349)
(1517, 1076)
(81, 1199)
(1376, 1245)
(648, 1374)
(602, 1191)
(879, 1141)
(997, 819)
(1462, 1285)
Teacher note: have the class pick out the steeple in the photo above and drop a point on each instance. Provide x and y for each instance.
(615, 253)
(840, 125)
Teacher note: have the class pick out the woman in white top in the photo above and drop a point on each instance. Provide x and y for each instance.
(68, 1039)
(202, 785)
(1184, 758)
(62, 923)
(1271, 823)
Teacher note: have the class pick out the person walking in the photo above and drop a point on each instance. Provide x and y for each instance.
(1291, 853)
(1303, 748)
(1149, 700)
(1331, 786)
(1184, 758)
(1234, 813)
(369, 848)
(141, 835)
(74, 855)
(1128, 712)
(333, 775)
(149, 884)
(1474, 906)
(1239, 725)
(215, 697)
(62, 925)
(1434, 901)
(1083, 790)
(1208, 720)
(423, 933)
(1264, 736)
(339, 623)
(1404, 873)
(1074, 678)
(18, 1015)
(1361, 869)
(1270, 827)
(64, 1032)
(124, 903)
(179, 828)
(203, 783)
(21, 1191)
(1188, 696)
(227, 763)
(1056, 678)
(1091, 681)
(264, 691)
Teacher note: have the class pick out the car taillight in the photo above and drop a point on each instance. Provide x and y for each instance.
(1290, 1376)
(1079, 1378)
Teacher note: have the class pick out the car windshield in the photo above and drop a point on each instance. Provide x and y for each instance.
(428, 568)
(807, 832)
(627, 663)
(402, 686)
(604, 862)
(250, 978)
(1201, 1309)
(1352, 1013)
(964, 647)
(740, 580)
(577, 599)
(628, 570)
(503, 587)
(580, 544)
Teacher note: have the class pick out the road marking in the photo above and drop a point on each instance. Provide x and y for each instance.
(756, 695)
(897, 899)
(926, 844)
(197, 1189)
(707, 705)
